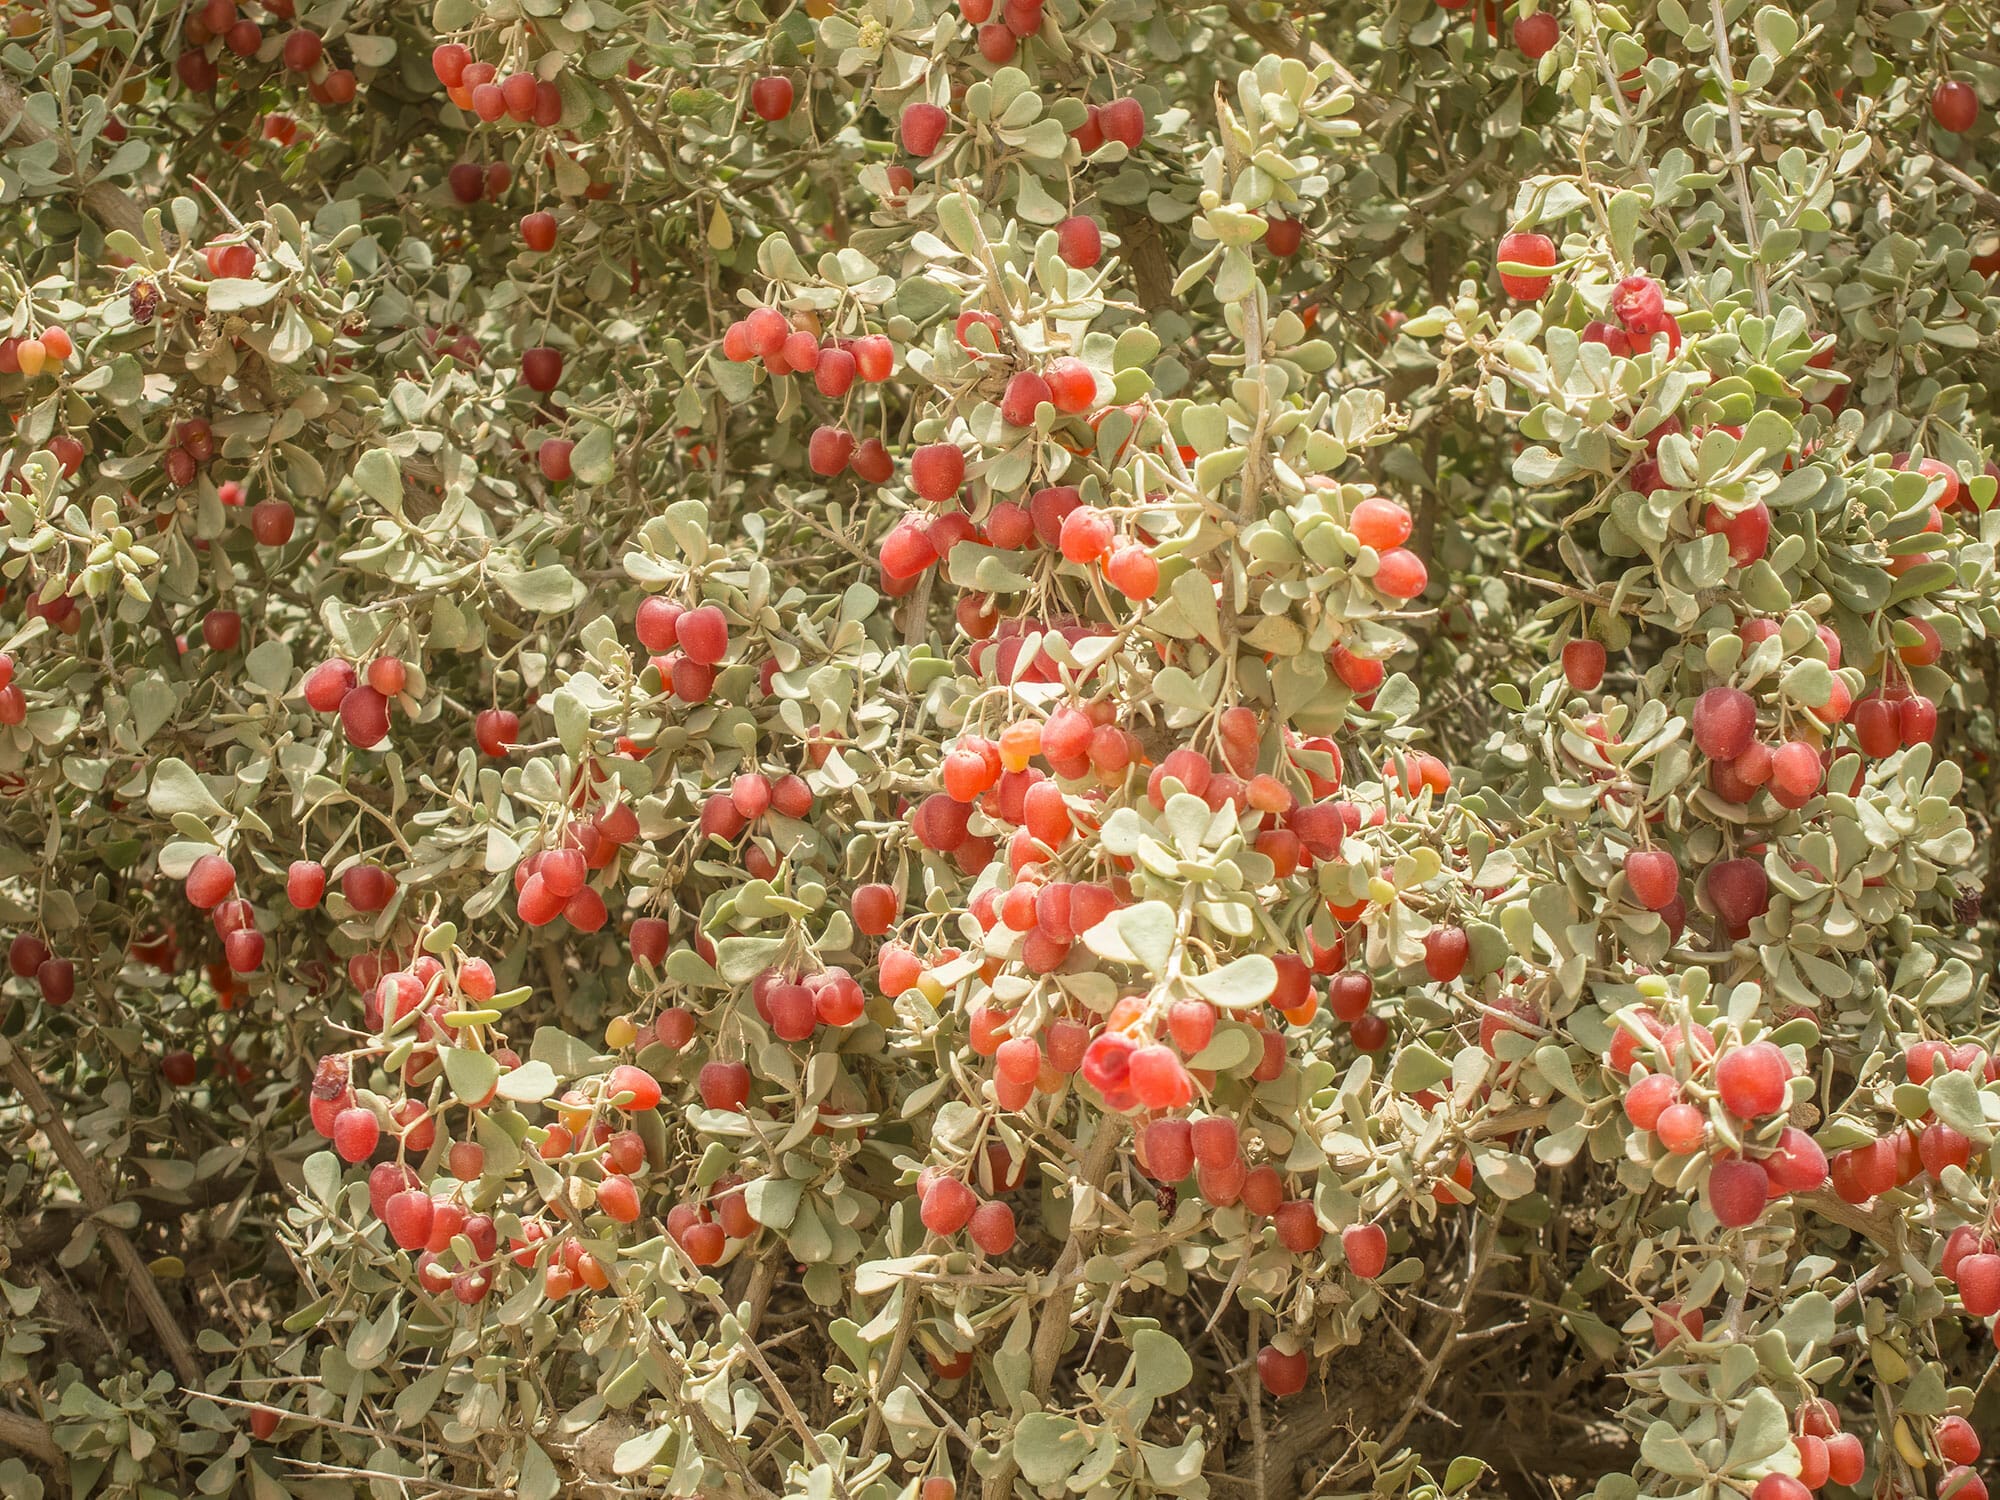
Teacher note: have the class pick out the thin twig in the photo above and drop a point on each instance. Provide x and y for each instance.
(138, 1277)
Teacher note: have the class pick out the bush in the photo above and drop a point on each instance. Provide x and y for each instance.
(882, 748)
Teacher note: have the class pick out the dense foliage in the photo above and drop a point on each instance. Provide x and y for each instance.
(872, 748)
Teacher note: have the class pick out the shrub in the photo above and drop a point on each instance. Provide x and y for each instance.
(883, 747)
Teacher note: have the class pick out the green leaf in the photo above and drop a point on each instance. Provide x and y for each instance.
(1048, 1448)
(565, 1055)
(530, 1083)
(1160, 1366)
(538, 1479)
(233, 294)
(177, 788)
(637, 1454)
(471, 1073)
(591, 459)
(546, 590)
(1238, 986)
(1761, 1430)
(773, 1201)
(1417, 1068)
(1956, 1098)
(1148, 930)
(742, 959)
(381, 479)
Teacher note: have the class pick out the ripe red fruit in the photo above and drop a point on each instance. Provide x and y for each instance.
(1780, 1487)
(991, 1228)
(367, 888)
(871, 462)
(364, 717)
(1748, 531)
(222, 629)
(1796, 1164)
(723, 1085)
(56, 978)
(876, 908)
(922, 126)
(1739, 890)
(1123, 120)
(1916, 720)
(1526, 250)
(1845, 1458)
(1681, 1128)
(1978, 1282)
(1446, 950)
(1298, 1226)
(948, 1206)
(538, 230)
(771, 96)
(1649, 1098)
(1084, 538)
(1536, 35)
(1366, 1247)
(1401, 574)
(1214, 1140)
(1167, 1149)
(997, 43)
(937, 470)
(1133, 571)
(408, 1216)
(243, 950)
(1640, 305)
(1583, 664)
(1654, 878)
(619, 1198)
(1283, 236)
(302, 50)
(209, 881)
(1724, 722)
(1025, 391)
(1752, 1080)
(448, 61)
(1079, 241)
(1072, 387)
(1955, 106)
(1737, 1191)
(1283, 1374)
(834, 370)
(355, 1133)
(272, 522)
(494, 729)
(1957, 1443)
(327, 684)
(703, 633)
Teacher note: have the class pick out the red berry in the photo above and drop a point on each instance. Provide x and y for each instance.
(1123, 120)
(1954, 106)
(1737, 1191)
(1536, 35)
(1446, 950)
(922, 127)
(1283, 1374)
(1724, 722)
(538, 230)
(723, 1085)
(541, 368)
(1366, 1248)
(302, 50)
(1752, 1080)
(936, 471)
(1583, 664)
(1526, 250)
(771, 96)
(355, 1133)
(991, 1228)
(1079, 241)
(948, 1206)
